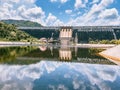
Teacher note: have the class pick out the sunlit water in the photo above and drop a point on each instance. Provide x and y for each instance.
(56, 68)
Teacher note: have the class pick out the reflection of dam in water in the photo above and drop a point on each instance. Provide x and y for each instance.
(65, 54)
(74, 54)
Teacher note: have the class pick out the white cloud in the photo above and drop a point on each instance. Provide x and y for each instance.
(53, 20)
(61, 1)
(58, 87)
(61, 87)
(105, 3)
(68, 11)
(109, 14)
(95, 1)
(15, 77)
(96, 75)
(98, 14)
(86, 1)
(33, 13)
(14, 1)
(53, 0)
(31, 1)
(78, 13)
(80, 4)
(50, 19)
(76, 84)
(26, 10)
(67, 76)
(97, 8)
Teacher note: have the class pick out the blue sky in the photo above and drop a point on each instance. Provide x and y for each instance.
(63, 12)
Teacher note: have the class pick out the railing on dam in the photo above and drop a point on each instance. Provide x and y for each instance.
(79, 28)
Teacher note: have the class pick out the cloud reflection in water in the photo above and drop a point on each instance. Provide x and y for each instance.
(59, 75)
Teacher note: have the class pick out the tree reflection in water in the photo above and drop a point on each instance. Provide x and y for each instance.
(33, 54)
(88, 73)
(8, 55)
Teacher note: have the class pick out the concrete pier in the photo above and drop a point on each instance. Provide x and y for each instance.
(65, 35)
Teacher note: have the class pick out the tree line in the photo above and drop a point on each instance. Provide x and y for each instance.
(9, 32)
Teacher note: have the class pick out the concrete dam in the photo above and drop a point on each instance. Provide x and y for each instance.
(83, 33)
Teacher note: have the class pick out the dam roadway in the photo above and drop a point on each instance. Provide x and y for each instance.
(79, 28)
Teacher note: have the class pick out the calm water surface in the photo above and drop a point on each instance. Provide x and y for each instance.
(56, 68)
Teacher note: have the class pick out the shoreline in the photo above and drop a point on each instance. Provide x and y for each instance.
(17, 43)
(96, 45)
(13, 43)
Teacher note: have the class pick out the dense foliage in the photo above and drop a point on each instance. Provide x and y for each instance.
(9, 32)
(22, 23)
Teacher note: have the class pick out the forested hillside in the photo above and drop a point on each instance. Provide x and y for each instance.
(9, 32)
(22, 23)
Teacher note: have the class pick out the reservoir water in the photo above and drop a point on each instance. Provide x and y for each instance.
(56, 68)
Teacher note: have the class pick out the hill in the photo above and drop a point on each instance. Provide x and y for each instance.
(9, 32)
(22, 23)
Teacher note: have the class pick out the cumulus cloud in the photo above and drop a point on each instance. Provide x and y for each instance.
(68, 11)
(95, 1)
(95, 75)
(59, 87)
(15, 77)
(64, 1)
(109, 14)
(53, 0)
(105, 3)
(97, 8)
(98, 15)
(17, 9)
(27, 10)
(50, 19)
(76, 84)
(80, 3)
(53, 20)
(61, 1)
